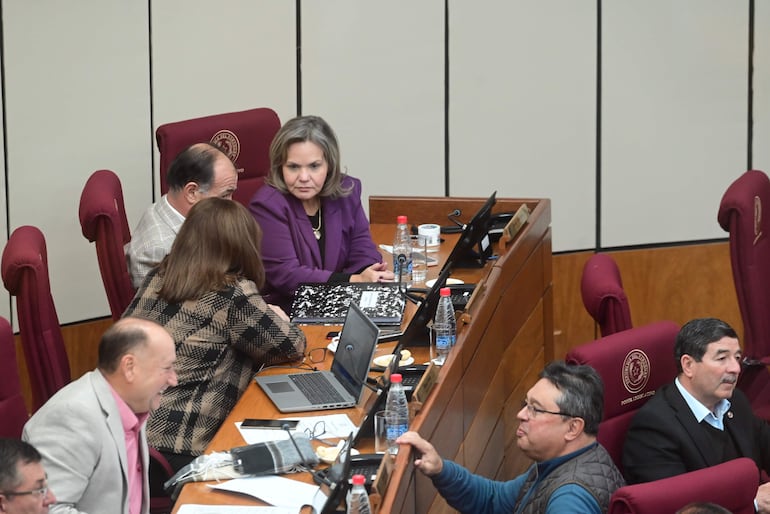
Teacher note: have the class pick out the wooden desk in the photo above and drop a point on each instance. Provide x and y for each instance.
(504, 339)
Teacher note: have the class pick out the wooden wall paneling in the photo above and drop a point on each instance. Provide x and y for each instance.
(206, 60)
(675, 283)
(680, 283)
(673, 117)
(76, 100)
(483, 430)
(493, 458)
(81, 341)
(376, 74)
(572, 323)
(761, 90)
(522, 110)
(516, 462)
(435, 209)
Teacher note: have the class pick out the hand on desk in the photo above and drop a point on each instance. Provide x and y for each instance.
(279, 312)
(377, 272)
(430, 462)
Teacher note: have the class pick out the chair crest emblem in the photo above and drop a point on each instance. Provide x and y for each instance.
(636, 371)
(757, 219)
(228, 142)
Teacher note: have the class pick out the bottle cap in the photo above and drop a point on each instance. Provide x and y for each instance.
(401, 220)
(445, 291)
(395, 378)
(359, 479)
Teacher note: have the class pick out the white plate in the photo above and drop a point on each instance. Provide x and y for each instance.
(450, 282)
(383, 361)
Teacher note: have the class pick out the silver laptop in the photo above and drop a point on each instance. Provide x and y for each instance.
(339, 388)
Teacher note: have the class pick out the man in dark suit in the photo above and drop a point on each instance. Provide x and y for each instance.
(700, 419)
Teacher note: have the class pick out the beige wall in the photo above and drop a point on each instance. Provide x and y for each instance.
(86, 82)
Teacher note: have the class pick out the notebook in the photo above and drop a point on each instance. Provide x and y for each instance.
(339, 388)
(324, 302)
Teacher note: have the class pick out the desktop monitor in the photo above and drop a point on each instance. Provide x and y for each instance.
(473, 248)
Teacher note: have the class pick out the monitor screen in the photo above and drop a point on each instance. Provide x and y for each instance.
(473, 248)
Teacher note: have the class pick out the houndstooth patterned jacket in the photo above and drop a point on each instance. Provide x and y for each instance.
(221, 341)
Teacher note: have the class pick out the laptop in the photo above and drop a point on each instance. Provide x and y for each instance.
(340, 388)
(473, 248)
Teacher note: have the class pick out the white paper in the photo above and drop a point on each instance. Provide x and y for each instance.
(275, 490)
(232, 509)
(337, 426)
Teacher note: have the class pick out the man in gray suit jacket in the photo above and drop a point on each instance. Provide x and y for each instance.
(91, 434)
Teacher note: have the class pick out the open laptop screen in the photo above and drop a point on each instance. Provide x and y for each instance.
(353, 356)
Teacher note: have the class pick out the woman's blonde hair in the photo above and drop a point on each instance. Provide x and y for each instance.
(218, 243)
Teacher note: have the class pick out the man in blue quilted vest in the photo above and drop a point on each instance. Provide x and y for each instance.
(558, 423)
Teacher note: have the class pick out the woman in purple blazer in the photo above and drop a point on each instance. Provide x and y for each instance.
(314, 225)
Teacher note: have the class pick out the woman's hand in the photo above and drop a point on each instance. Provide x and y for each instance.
(377, 272)
(279, 312)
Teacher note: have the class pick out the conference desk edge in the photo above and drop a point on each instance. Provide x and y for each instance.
(504, 339)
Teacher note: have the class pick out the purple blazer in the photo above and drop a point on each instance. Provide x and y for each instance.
(290, 250)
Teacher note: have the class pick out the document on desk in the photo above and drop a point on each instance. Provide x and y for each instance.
(277, 491)
(334, 426)
(232, 509)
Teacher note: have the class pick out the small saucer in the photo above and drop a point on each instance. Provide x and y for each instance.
(383, 361)
(449, 282)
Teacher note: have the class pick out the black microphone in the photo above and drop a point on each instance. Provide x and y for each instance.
(346, 368)
(401, 259)
(286, 427)
(452, 217)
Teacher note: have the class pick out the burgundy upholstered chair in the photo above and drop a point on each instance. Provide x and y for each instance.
(740, 213)
(733, 485)
(103, 221)
(13, 411)
(603, 294)
(244, 136)
(25, 275)
(633, 364)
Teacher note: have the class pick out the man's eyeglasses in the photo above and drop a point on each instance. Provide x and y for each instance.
(41, 492)
(533, 411)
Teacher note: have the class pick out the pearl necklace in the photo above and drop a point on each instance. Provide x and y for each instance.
(317, 230)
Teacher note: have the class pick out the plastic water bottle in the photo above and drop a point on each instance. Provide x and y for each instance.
(444, 326)
(402, 253)
(396, 413)
(357, 499)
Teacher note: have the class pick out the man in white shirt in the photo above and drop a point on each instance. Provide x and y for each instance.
(199, 171)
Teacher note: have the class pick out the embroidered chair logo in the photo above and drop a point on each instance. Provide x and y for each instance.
(228, 142)
(636, 371)
(757, 219)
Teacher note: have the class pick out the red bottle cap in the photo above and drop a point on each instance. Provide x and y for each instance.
(445, 291)
(401, 220)
(359, 479)
(395, 378)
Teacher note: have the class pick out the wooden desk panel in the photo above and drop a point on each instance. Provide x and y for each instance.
(502, 344)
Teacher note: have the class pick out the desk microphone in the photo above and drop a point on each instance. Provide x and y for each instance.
(351, 373)
(401, 259)
(317, 477)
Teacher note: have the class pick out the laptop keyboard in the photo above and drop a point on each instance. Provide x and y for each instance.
(316, 388)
